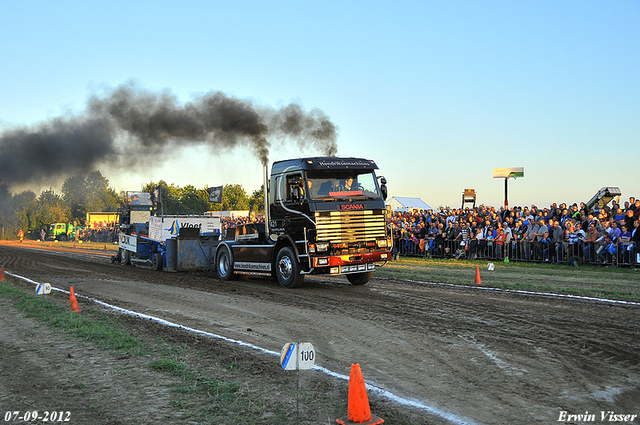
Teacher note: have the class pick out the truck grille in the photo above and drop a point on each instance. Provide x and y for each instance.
(350, 226)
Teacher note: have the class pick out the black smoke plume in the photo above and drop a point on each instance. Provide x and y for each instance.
(129, 121)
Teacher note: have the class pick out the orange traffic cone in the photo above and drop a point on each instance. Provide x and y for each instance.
(2, 273)
(358, 411)
(478, 281)
(74, 302)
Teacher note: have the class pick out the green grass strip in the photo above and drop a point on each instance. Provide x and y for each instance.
(599, 282)
(90, 327)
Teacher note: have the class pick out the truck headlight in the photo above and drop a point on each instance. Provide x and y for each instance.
(382, 243)
(322, 246)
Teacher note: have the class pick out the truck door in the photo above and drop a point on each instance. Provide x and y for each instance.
(289, 209)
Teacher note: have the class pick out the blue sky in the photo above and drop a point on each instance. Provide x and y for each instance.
(438, 93)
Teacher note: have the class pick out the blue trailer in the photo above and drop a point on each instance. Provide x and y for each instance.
(170, 242)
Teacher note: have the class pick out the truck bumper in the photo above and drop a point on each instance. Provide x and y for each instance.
(349, 263)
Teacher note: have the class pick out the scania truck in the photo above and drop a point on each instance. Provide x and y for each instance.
(323, 215)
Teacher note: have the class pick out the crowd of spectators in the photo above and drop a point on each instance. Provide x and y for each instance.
(227, 222)
(558, 233)
(98, 232)
(562, 233)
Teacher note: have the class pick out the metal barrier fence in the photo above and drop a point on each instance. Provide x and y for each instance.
(595, 253)
(106, 234)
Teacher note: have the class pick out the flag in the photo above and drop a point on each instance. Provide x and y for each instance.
(215, 194)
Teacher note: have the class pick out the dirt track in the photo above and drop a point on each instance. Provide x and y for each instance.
(468, 355)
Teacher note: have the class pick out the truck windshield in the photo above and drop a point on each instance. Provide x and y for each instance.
(332, 184)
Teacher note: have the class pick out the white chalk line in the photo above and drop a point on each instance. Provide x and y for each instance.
(518, 291)
(384, 393)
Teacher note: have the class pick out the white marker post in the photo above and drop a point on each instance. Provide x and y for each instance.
(296, 356)
(43, 288)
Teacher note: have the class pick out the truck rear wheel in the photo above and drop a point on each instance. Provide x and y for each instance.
(359, 278)
(157, 262)
(224, 264)
(288, 269)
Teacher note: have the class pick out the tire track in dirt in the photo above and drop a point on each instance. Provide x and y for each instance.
(491, 356)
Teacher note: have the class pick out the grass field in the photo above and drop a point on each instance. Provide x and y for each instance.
(611, 283)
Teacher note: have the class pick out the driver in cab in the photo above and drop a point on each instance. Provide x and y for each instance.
(347, 184)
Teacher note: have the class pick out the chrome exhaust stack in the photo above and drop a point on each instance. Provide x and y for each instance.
(265, 171)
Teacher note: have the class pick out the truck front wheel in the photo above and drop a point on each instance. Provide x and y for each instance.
(125, 257)
(359, 278)
(288, 269)
(224, 265)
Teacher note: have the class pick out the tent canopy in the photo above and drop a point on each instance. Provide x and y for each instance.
(401, 203)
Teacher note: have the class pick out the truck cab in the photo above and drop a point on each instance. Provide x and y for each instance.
(326, 215)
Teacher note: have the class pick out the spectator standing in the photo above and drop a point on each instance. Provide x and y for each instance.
(624, 240)
(539, 235)
(529, 239)
(581, 236)
(490, 237)
(465, 236)
(545, 247)
(628, 219)
(556, 240)
(590, 242)
(635, 240)
(614, 231)
(500, 241)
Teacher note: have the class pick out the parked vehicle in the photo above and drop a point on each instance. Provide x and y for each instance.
(61, 232)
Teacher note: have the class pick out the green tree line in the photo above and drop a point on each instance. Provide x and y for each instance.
(31, 212)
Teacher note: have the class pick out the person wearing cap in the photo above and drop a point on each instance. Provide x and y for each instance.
(508, 233)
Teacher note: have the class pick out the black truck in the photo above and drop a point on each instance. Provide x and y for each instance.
(324, 215)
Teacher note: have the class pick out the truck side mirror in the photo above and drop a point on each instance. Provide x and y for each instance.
(383, 187)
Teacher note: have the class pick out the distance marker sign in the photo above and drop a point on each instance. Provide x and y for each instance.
(297, 356)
